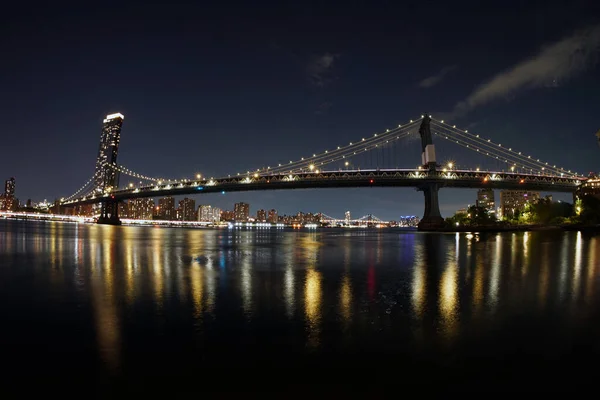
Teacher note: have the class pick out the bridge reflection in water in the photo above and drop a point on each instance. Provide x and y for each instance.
(223, 296)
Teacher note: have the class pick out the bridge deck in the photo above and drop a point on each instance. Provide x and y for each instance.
(345, 179)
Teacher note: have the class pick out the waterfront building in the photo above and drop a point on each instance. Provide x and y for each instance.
(166, 208)
(242, 211)
(187, 209)
(513, 201)
(272, 216)
(261, 216)
(9, 202)
(485, 199)
(140, 208)
(216, 215)
(227, 215)
(205, 213)
(124, 209)
(590, 187)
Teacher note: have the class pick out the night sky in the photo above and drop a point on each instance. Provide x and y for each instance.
(221, 88)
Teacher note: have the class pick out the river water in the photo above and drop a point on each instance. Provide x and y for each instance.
(124, 306)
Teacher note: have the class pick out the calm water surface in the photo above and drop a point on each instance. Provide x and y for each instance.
(129, 305)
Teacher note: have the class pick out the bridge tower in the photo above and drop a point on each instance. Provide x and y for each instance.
(432, 218)
(106, 176)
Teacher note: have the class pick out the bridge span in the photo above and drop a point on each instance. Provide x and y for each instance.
(416, 178)
(319, 171)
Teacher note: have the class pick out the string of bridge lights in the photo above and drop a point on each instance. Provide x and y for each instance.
(340, 153)
(134, 174)
(314, 164)
(487, 152)
(80, 189)
(490, 143)
(500, 153)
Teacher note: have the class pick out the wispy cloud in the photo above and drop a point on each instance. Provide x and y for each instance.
(549, 67)
(319, 69)
(437, 78)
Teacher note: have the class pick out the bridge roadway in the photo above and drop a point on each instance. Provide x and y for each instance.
(346, 178)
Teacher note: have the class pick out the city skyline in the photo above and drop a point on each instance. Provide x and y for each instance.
(293, 95)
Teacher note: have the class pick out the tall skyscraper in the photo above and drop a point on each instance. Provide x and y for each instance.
(261, 215)
(347, 217)
(166, 208)
(106, 176)
(242, 211)
(10, 202)
(272, 216)
(485, 199)
(187, 209)
(512, 201)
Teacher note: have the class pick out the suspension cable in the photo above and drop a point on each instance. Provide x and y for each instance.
(498, 152)
(80, 189)
(337, 154)
(509, 151)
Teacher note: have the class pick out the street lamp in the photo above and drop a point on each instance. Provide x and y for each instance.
(450, 165)
(311, 167)
(198, 176)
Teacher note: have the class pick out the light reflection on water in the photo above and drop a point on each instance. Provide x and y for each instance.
(312, 288)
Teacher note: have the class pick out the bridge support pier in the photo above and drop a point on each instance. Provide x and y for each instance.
(432, 218)
(109, 213)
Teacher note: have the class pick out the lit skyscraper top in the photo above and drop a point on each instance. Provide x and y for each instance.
(106, 175)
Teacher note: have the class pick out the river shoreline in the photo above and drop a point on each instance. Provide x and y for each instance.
(520, 228)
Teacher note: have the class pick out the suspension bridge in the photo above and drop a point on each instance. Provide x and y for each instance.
(367, 162)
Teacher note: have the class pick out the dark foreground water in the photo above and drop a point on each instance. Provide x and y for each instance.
(115, 308)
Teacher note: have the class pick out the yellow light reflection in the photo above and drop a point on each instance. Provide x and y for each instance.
(129, 268)
(346, 298)
(577, 267)
(196, 277)
(525, 267)
(448, 301)
(157, 274)
(104, 301)
(312, 305)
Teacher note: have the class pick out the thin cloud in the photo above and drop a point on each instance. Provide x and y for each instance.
(319, 69)
(549, 67)
(437, 78)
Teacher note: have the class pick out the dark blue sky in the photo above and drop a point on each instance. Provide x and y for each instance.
(221, 88)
